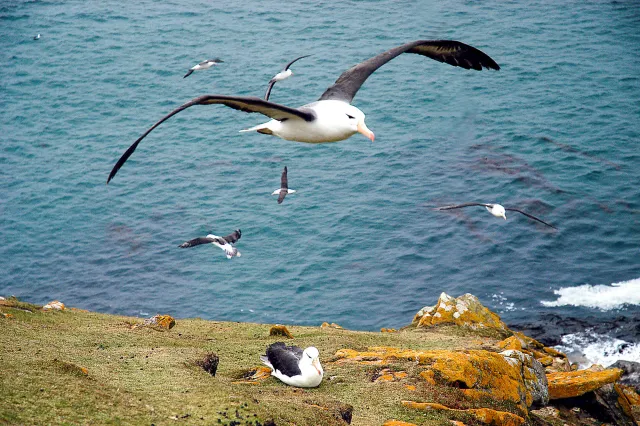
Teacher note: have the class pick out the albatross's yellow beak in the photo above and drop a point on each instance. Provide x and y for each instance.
(362, 128)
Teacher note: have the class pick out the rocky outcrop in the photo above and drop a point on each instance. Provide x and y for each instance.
(629, 400)
(466, 311)
(511, 376)
(575, 383)
(483, 415)
(631, 373)
(551, 359)
(332, 325)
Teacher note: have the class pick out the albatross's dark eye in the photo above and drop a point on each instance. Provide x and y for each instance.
(350, 116)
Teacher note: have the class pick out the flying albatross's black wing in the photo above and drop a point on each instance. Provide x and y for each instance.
(296, 59)
(285, 358)
(233, 237)
(458, 206)
(452, 52)
(197, 242)
(242, 103)
(284, 186)
(530, 216)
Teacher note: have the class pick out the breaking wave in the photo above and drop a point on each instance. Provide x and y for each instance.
(603, 297)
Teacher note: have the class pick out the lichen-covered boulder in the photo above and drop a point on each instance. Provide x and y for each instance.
(465, 310)
(163, 322)
(483, 415)
(551, 359)
(55, 305)
(280, 330)
(575, 383)
(629, 400)
(514, 377)
(332, 325)
(398, 423)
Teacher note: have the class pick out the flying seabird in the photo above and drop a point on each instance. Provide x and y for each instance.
(282, 75)
(294, 366)
(284, 187)
(223, 242)
(203, 66)
(37, 36)
(497, 210)
(331, 118)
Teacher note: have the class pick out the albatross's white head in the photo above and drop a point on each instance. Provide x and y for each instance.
(355, 121)
(311, 357)
(498, 211)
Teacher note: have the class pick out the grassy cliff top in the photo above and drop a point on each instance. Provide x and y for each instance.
(78, 367)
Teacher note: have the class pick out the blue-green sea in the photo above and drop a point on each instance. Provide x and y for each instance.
(555, 132)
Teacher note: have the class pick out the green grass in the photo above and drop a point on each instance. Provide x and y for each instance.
(146, 376)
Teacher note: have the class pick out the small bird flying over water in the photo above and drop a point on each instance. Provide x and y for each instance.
(203, 66)
(282, 75)
(331, 118)
(294, 366)
(497, 210)
(284, 187)
(223, 242)
(37, 37)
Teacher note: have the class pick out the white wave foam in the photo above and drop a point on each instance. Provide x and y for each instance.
(587, 348)
(603, 297)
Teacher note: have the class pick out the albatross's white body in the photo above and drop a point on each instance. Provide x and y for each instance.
(335, 121)
(307, 373)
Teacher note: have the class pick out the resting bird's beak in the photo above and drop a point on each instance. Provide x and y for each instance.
(362, 128)
(316, 365)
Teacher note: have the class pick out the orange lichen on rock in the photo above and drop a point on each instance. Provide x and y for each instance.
(386, 375)
(410, 387)
(388, 330)
(55, 305)
(332, 325)
(398, 423)
(484, 415)
(165, 322)
(575, 383)
(511, 376)
(8, 316)
(280, 330)
(255, 375)
(629, 400)
(465, 310)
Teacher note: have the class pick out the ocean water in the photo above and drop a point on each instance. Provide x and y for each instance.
(555, 132)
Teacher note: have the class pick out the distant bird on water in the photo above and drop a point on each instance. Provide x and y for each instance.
(203, 66)
(331, 118)
(37, 37)
(497, 210)
(284, 187)
(294, 366)
(282, 75)
(223, 242)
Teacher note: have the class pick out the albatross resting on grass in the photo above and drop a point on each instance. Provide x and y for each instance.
(294, 366)
(223, 242)
(497, 210)
(282, 75)
(331, 118)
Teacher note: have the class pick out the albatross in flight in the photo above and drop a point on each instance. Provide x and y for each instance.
(282, 75)
(497, 210)
(294, 366)
(223, 242)
(284, 187)
(203, 66)
(331, 118)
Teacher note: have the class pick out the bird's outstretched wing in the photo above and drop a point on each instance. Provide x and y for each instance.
(196, 242)
(188, 74)
(531, 217)
(233, 237)
(459, 206)
(296, 59)
(452, 52)
(269, 87)
(241, 103)
(284, 182)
